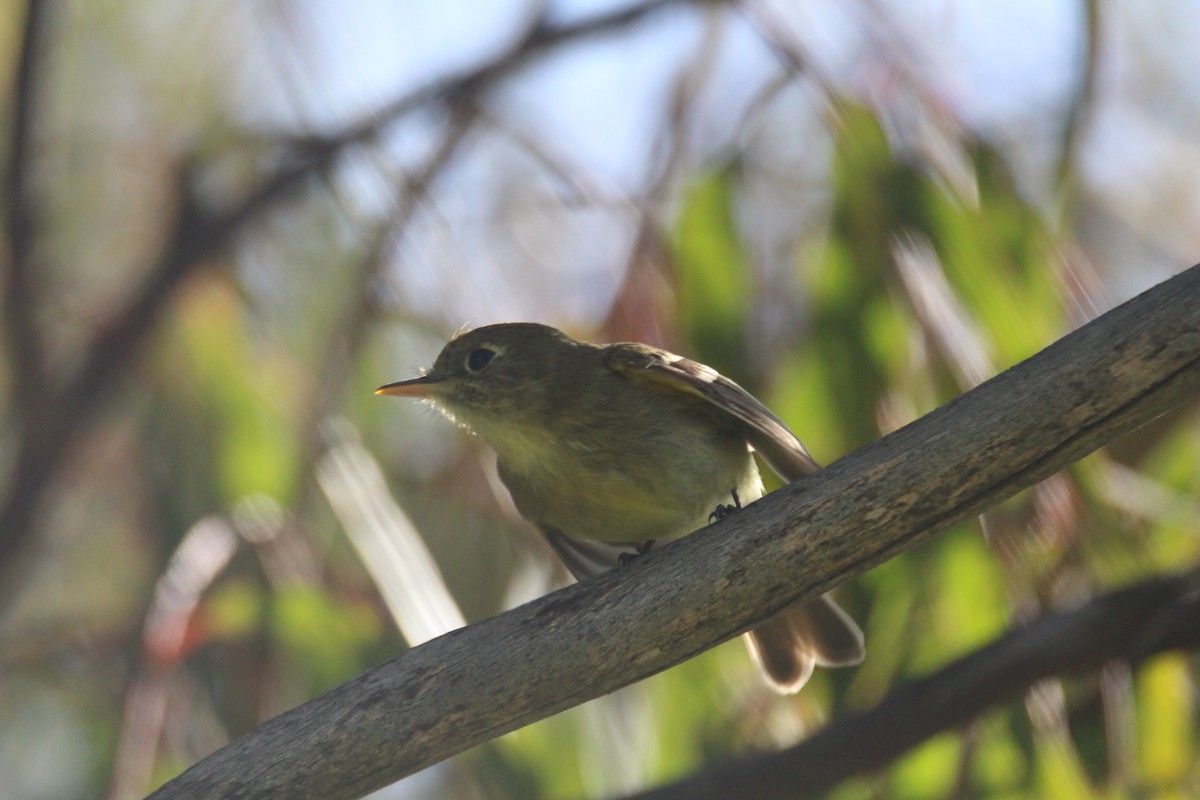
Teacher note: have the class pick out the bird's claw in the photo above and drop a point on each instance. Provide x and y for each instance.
(639, 550)
(722, 511)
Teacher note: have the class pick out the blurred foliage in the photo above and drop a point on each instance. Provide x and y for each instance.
(191, 578)
(712, 293)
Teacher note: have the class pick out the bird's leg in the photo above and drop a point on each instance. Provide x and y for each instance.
(722, 511)
(640, 549)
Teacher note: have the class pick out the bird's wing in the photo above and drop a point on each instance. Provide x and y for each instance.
(587, 558)
(765, 432)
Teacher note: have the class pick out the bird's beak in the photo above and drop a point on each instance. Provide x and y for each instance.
(424, 386)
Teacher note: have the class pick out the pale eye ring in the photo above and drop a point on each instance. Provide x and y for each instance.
(479, 358)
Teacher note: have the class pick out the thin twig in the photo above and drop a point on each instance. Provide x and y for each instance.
(24, 340)
(362, 307)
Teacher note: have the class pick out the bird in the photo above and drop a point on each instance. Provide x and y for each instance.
(607, 448)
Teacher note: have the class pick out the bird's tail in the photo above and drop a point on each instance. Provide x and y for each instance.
(787, 647)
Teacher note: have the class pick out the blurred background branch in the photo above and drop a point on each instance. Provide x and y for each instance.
(196, 234)
(1131, 624)
(24, 342)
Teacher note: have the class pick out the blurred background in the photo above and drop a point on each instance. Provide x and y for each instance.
(224, 224)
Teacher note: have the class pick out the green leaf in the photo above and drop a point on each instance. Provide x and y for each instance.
(247, 391)
(928, 771)
(973, 603)
(711, 277)
(322, 632)
(1059, 774)
(1166, 719)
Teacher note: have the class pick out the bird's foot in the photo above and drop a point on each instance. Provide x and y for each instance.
(722, 511)
(640, 549)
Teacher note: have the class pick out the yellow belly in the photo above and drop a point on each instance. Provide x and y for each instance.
(631, 505)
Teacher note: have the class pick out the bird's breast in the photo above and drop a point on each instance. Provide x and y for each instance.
(629, 485)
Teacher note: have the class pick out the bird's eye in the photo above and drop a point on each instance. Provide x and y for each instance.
(480, 358)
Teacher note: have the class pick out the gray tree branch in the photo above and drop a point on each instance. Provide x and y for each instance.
(1131, 623)
(1099, 382)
